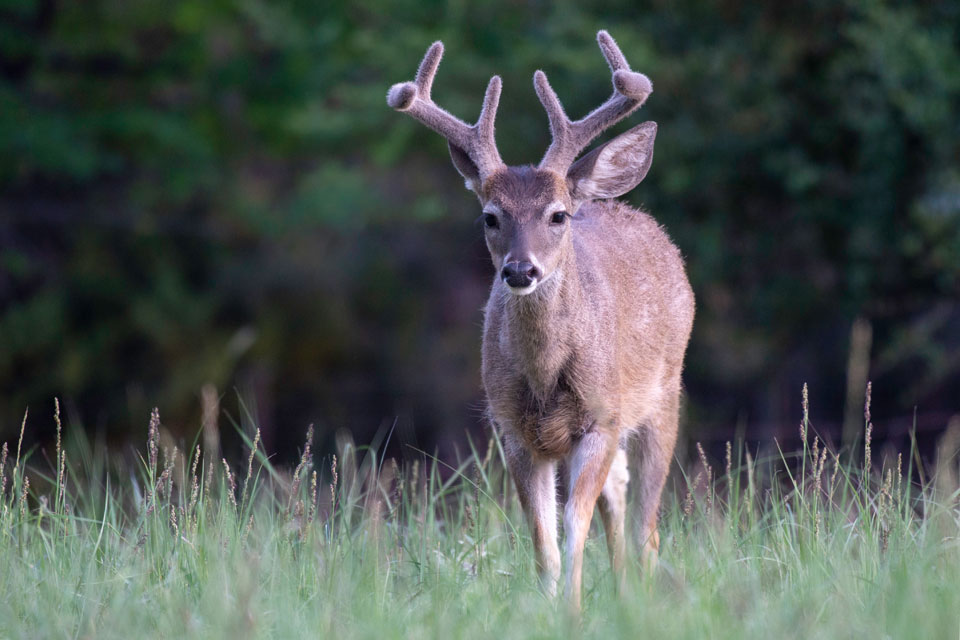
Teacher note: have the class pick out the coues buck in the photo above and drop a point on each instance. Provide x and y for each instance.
(588, 317)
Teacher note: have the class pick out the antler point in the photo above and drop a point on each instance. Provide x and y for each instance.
(401, 95)
(632, 84)
(541, 84)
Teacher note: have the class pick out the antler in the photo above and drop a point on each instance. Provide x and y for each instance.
(476, 140)
(630, 90)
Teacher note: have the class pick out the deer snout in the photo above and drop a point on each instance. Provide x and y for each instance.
(520, 275)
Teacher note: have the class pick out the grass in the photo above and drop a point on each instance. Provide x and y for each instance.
(785, 546)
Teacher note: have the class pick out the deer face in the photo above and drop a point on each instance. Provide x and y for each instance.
(526, 222)
(526, 210)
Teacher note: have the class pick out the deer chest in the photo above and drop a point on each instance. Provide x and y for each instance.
(551, 426)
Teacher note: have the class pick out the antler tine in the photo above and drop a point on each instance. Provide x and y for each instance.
(476, 140)
(428, 69)
(559, 122)
(611, 51)
(488, 114)
(630, 90)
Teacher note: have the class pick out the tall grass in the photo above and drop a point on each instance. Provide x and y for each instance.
(179, 543)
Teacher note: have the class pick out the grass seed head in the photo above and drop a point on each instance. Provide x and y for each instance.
(153, 438)
(194, 482)
(305, 459)
(253, 453)
(806, 415)
(868, 436)
(62, 481)
(231, 484)
(170, 460)
(313, 497)
(886, 489)
(23, 426)
(708, 479)
(23, 496)
(159, 486)
(3, 469)
(899, 475)
(333, 485)
(691, 489)
(207, 483)
(468, 521)
(298, 521)
(818, 472)
(703, 458)
(56, 419)
(729, 470)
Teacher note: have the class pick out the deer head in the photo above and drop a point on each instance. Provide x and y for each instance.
(526, 210)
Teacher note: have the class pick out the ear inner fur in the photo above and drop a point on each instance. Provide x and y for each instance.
(615, 167)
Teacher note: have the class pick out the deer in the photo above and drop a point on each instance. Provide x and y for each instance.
(588, 319)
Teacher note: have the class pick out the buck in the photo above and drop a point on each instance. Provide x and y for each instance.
(588, 317)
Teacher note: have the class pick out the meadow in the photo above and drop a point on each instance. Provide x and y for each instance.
(177, 543)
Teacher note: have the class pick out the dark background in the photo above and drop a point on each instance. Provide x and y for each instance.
(214, 192)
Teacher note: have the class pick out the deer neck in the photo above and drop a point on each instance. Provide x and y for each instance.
(542, 326)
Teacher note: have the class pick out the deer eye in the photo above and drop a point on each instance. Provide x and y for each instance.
(558, 217)
(490, 221)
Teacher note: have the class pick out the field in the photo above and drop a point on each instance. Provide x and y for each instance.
(776, 545)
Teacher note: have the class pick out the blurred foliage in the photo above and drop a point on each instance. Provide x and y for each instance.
(214, 191)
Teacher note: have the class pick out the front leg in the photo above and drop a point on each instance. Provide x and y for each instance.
(612, 505)
(536, 487)
(589, 465)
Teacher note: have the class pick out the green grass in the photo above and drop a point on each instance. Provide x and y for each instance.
(108, 549)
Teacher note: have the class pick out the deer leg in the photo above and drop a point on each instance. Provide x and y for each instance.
(612, 505)
(651, 478)
(589, 466)
(536, 487)
(653, 456)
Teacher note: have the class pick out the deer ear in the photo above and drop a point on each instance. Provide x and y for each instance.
(615, 167)
(466, 167)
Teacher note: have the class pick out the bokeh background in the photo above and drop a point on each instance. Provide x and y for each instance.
(213, 194)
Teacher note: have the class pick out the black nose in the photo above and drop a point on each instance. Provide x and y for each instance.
(519, 274)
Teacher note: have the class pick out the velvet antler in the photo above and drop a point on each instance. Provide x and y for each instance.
(630, 90)
(477, 140)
